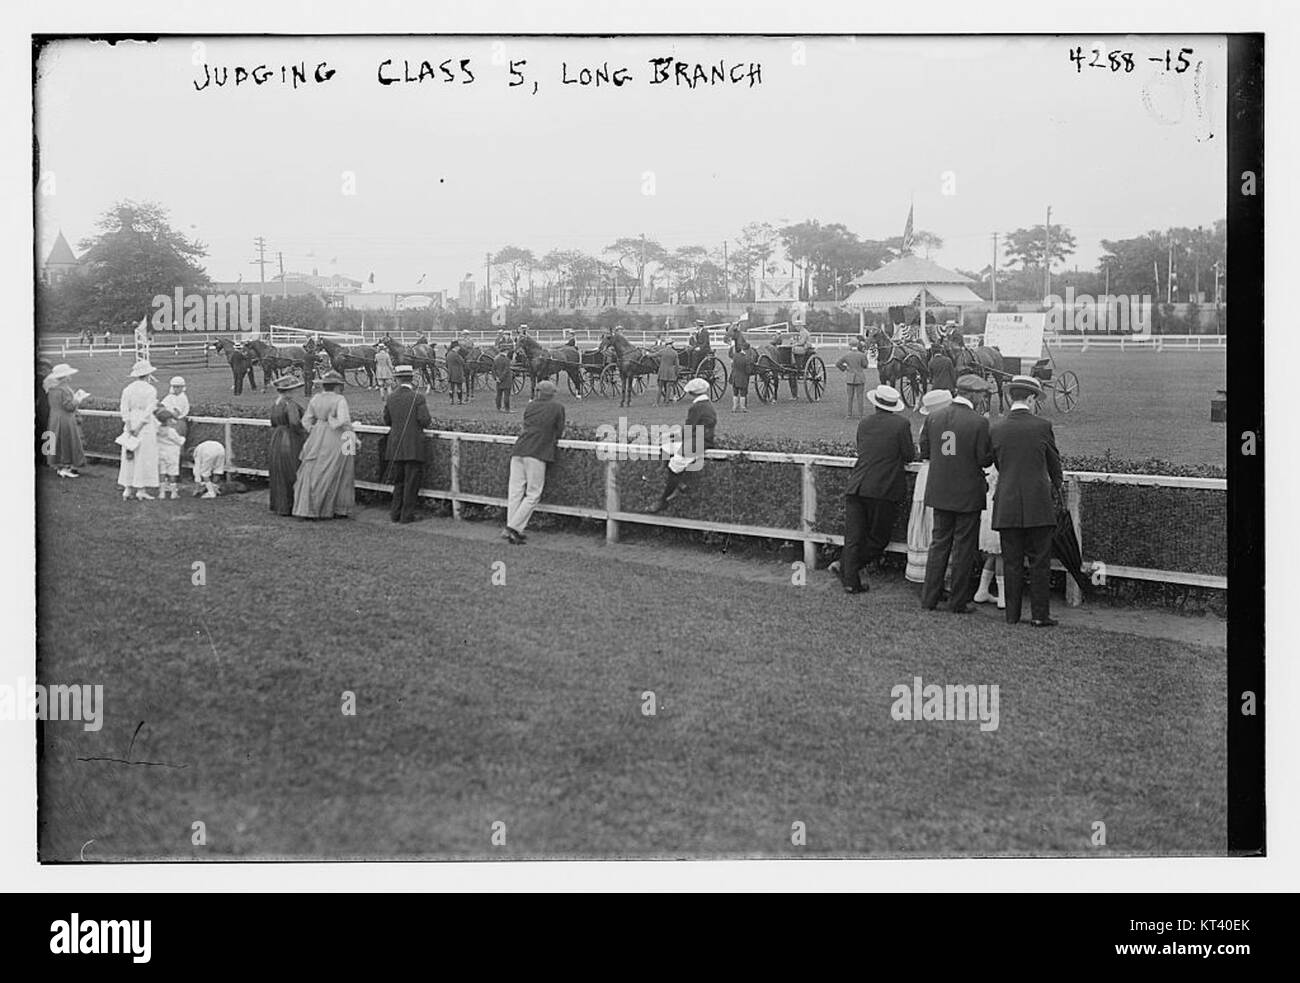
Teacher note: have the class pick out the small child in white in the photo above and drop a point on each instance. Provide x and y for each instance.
(177, 401)
(209, 461)
(170, 442)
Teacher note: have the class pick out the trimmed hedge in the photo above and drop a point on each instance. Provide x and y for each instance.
(1125, 525)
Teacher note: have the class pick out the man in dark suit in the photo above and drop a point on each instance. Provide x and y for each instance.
(956, 442)
(942, 373)
(406, 414)
(876, 484)
(1024, 513)
(535, 449)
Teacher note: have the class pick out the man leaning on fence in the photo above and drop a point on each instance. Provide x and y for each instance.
(534, 451)
(1024, 514)
(406, 414)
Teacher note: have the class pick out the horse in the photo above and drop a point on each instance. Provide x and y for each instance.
(421, 356)
(478, 361)
(736, 338)
(984, 361)
(276, 361)
(632, 362)
(896, 361)
(351, 357)
(542, 364)
(240, 365)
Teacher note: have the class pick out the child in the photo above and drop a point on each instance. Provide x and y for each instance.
(742, 364)
(170, 442)
(177, 401)
(505, 377)
(384, 371)
(209, 460)
(991, 546)
(667, 373)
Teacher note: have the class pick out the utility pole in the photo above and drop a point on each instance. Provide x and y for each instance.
(726, 277)
(1169, 274)
(1047, 255)
(487, 296)
(641, 288)
(994, 271)
(284, 287)
(260, 262)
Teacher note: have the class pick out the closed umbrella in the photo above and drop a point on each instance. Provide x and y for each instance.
(1065, 547)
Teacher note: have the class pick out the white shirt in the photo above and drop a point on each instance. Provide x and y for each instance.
(178, 403)
(1020, 404)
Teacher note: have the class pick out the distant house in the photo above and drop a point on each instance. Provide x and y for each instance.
(290, 288)
(61, 261)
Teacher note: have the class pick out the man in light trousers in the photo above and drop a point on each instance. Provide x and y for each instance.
(534, 450)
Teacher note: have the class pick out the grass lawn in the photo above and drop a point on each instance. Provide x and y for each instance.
(1136, 404)
(522, 703)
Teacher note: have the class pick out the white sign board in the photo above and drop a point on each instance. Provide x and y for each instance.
(780, 288)
(1016, 335)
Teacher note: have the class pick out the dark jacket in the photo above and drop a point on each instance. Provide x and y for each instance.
(455, 366)
(502, 371)
(407, 414)
(956, 480)
(942, 373)
(543, 426)
(668, 364)
(1029, 468)
(702, 414)
(742, 364)
(884, 447)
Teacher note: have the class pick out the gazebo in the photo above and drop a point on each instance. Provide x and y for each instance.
(907, 281)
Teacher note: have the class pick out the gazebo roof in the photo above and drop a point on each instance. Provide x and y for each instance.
(61, 254)
(910, 269)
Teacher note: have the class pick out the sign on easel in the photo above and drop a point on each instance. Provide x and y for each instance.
(1016, 335)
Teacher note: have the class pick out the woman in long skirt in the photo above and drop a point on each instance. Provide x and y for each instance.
(64, 426)
(323, 488)
(920, 524)
(139, 469)
(287, 437)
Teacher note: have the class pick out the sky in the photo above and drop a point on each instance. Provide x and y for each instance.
(422, 179)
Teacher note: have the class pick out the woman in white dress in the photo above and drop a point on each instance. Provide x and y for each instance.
(991, 547)
(920, 524)
(139, 469)
(323, 488)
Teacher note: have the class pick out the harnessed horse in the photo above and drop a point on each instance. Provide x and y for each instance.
(421, 356)
(351, 357)
(277, 361)
(632, 362)
(983, 361)
(896, 361)
(240, 365)
(540, 363)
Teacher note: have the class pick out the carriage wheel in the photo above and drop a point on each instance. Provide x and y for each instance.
(909, 387)
(638, 384)
(676, 390)
(1065, 393)
(518, 382)
(611, 384)
(357, 377)
(712, 369)
(419, 380)
(814, 378)
(765, 384)
(579, 389)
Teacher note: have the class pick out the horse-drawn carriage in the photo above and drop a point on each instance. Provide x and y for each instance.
(1063, 387)
(630, 368)
(775, 364)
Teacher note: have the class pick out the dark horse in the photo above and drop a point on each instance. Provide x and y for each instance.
(478, 361)
(896, 362)
(240, 365)
(983, 361)
(633, 362)
(421, 356)
(542, 364)
(351, 357)
(276, 361)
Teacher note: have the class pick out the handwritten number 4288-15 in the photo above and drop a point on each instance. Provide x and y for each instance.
(1124, 60)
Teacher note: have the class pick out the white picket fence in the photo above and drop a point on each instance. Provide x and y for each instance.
(612, 514)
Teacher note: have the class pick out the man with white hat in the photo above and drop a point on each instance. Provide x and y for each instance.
(139, 438)
(876, 484)
(406, 414)
(697, 437)
(955, 440)
(1024, 514)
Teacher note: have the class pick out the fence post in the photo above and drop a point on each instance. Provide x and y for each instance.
(230, 451)
(455, 477)
(1073, 503)
(611, 501)
(808, 516)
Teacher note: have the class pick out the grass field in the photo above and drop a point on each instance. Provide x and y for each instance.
(522, 703)
(1137, 405)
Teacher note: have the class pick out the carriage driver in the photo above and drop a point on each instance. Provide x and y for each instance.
(570, 338)
(699, 347)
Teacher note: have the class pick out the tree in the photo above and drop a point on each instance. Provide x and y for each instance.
(1026, 246)
(134, 256)
(634, 255)
(511, 263)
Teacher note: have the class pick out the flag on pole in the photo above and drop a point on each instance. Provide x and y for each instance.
(907, 232)
(142, 331)
(499, 317)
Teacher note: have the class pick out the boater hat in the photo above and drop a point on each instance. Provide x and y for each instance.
(332, 379)
(1024, 385)
(403, 370)
(886, 398)
(934, 401)
(62, 371)
(287, 382)
(142, 368)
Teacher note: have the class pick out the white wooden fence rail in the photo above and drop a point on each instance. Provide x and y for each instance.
(612, 514)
